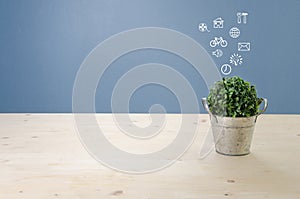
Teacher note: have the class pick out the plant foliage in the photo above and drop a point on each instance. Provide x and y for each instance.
(233, 97)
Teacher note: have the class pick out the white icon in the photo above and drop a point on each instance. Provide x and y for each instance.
(234, 32)
(218, 22)
(236, 59)
(218, 53)
(242, 16)
(244, 46)
(218, 41)
(226, 69)
(203, 27)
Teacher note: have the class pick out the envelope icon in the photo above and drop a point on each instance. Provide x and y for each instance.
(244, 46)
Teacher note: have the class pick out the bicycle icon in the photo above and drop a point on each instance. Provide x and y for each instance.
(218, 41)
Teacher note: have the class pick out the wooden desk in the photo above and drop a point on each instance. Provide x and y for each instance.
(42, 157)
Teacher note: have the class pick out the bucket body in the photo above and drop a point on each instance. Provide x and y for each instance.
(233, 136)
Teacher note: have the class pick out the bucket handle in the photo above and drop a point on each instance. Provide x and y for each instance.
(205, 104)
(265, 106)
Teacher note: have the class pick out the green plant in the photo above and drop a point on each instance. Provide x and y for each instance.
(233, 97)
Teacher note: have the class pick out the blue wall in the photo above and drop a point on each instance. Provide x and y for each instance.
(43, 43)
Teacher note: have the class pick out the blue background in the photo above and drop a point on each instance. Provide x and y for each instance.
(43, 43)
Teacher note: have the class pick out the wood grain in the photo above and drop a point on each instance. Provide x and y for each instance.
(41, 157)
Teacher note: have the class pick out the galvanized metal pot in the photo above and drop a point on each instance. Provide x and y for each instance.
(233, 136)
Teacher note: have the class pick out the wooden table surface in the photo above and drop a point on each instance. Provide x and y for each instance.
(41, 157)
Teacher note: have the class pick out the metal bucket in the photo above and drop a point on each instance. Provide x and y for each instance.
(233, 136)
